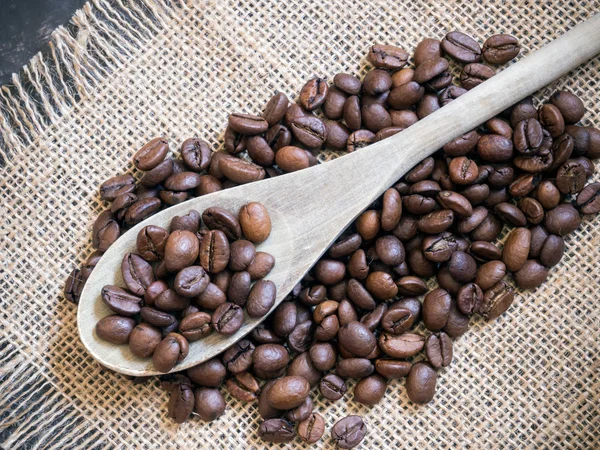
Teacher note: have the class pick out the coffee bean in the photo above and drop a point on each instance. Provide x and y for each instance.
(74, 286)
(531, 275)
(387, 57)
(438, 348)
(276, 108)
(500, 48)
(238, 358)
(357, 339)
(173, 348)
(421, 383)
(323, 356)
(429, 69)
(461, 47)
(244, 387)
(156, 317)
(288, 392)
(216, 218)
(485, 251)
(332, 387)
(370, 390)
(208, 404)
(121, 301)
(195, 326)
(241, 171)
(313, 93)
(348, 432)
(191, 281)
(261, 298)
(105, 231)
(310, 131)
(337, 135)
(404, 96)
(247, 124)
(436, 307)
(302, 412)
(495, 148)
(172, 197)
(227, 319)
(276, 431)
(270, 361)
(401, 346)
(496, 300)
(571, 177)
(181, 250)
(377, 81)
(397, 321)
(154, 290)
(474, 74)
(115, 186)
(354, 368)
(427, 49)
(115, 329)
(181, 402)
(375, 117)
(210, 373)
(312, 428)
(462, 267)
(533, 210)
(570, 106)
(347, 83)
(588, 199)
(562, 220)
(169, 301)
(469, 299)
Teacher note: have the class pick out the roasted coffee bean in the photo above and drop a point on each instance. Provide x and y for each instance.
(310, 131)
(347, 83)
(359, 296)
(211, 298)
(260, 151)
(357, 339)
(332, 387)
(469, 299)
(381, 285)
(531, 275)
(312, 428)
(436, 307)
(329, 271)
(247, 124)
(323, 356)
(463, 170)
(115, 186)
(377, 81)
(485, 251)
(196, 154)
(523, 185)
(144, 339)
(462, 267)
(404, 97)
(354, 368)
(278, 136)
(276, 108)
(533, 210)
(265, 410)
(337, 135)
(302, 366)
(115, 329)
(191, 281)
(333, 108)
(216, 218)
(522, 111)
(157, 175)
(370, 390)
(562, 148)
(153, 291)
(387, 57)
(181, 250)
(401, 346)
(349, 432)
(121, 301)
(436, 222)
(151, 154)
(552, 120)
(421, 383)
(261, 265)
(428, 104)
(292, 158)
(156, 317)
(438, 348)
(195, 326)
(285, 318)
(181, 402)
(528, 136)
(244, 387)
(496, 300)
(571, 177)
(510, 214)
(173, 348)
(210, 373)
(359, 139)
(489, 274)
(238, 358)
(169, 301)
(227, 319)
(372, 319)
(516, 249)
(455, 202)
(345, 246)
(241, 171)
(189, 222)
(427, 49)
(451, 93)
(208, 185)
(419, 264)
(172, 197)
(461, 47)
(410, 285)
(208, 404)
(276, 431)
(429, 69)
(375, 117)
(495, 148)
(562, 220)
(552, 250)
(241, 255)
(106, 230)
(499, 126)
(570, 106)
(288, 392)
(270, 361)
(234, 143)
(500, 48)
(261, 298)
(302, 412)
(313, 93)
(588, 200)
(474, 74)
(74, 286)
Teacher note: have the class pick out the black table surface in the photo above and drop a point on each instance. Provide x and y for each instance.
(25, 28)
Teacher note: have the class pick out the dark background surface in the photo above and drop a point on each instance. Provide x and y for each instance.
(25, 28)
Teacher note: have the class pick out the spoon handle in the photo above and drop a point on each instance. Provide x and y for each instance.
(349, 184)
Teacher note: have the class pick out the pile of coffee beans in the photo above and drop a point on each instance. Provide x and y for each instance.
(365, 310)
(189, 293)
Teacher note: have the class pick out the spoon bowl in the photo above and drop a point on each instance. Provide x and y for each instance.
(310, 208)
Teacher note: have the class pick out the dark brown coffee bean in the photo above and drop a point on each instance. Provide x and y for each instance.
(359, 295)
(552, 120)
(354, 368)
(238, 358)
(333, 108)
(419, 264)
(381, 285)
(385, 133)
(276, 108)
(302, 366)
(337, 135)
(428, 104)
(436, 307)
(538, 237)
(532, 209)
(463, 170)
(392, 368)
(531, 275)
(169, 301)
(74, 286)
(234, 143)
(211, 298)
(455, 202)
(421, 383)
(270, 361)
(121, 301)
(495, 148)
(500, 48)
(474, 74)
(552, 251)
(401, 346)
(451, 93)
(210, 373)
(172, 349)
(244, 387)
(489, 274)
(462, 145)
(115, 329)
(154, 290)
(302, 412)
(404, 96)
(292, 158)
(116, 186)
(276, 431)
(348, 432)
(195, 326)
(181, 402)
(247, 124)
(189, 222)
(438, 348)
(345, 246)
(239, 289)
(214, 251)
(469, 298)
(436, 222)
(288, 392)
(156, 317)
(496, 300)
(570, 106)
(461, 47)
(181, 250)
(227, 319)
(462, 267)
(562, 220)
(172, 197)
(516, 249)
(313, 93)
(261, 298)
(329, 271)
(323, 356)
(429, 69)
(377, 81)
(588, 199)
(427, 49)
(209, 404)
(397, 320)
(571, 177)
(106, 230)
(196, 154)
(332, 387)
(357, 339)
(523, 185)
(511, 214)
(359, 139)
(216, 218)
(144, 339)
(370, 390)
(191, 281)
(375, 117)
(387, 57)
(241, 171)
(485, 251)
(310, 131)
(390, 250)
(265, 410)
(241, 255)
(347, 83)
(312, 428)
(260, 151)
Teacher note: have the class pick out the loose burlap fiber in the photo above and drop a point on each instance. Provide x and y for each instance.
(128, 70)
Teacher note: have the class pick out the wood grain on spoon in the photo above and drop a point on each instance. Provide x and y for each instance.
(310, 208)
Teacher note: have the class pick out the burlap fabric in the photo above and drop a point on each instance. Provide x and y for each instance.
(128, 70)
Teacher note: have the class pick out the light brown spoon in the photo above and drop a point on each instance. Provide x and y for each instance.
(310, 208)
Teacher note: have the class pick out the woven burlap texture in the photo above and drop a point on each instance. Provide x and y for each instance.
(128, 70)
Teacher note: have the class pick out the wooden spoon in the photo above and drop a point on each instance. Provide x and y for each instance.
(310, 208)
